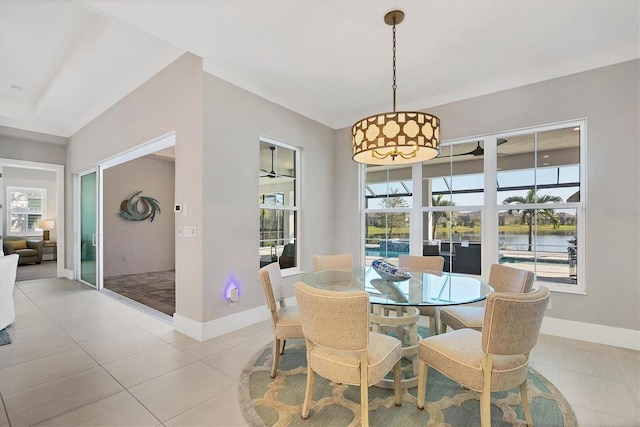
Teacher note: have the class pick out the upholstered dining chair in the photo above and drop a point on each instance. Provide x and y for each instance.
(503, 279)
(8, 269)
(340, 346)
(431, 263)
(332, 262)
(286, 320)
(495, 359)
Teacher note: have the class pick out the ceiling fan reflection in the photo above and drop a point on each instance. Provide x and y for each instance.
(478, 151)
(272, 173)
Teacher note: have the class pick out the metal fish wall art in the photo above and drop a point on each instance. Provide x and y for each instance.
(129, 208)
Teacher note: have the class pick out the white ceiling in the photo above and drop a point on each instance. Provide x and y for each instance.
(327, 60)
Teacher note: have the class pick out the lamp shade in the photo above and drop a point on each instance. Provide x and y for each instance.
(48, 224)
(396, 138)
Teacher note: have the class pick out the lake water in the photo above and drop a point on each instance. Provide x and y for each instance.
(543, 242)
(520, 242)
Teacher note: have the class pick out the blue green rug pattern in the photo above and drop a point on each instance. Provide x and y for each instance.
(278, 401)
(4, 337)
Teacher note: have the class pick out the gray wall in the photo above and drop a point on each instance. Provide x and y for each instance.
(608, 99)
(132, 247)
(218, 127)
(20, 144)
(234, 121)
(170, 101)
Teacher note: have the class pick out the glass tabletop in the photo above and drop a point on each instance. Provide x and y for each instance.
(421, 289)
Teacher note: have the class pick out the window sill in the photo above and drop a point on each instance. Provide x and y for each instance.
(292, 272)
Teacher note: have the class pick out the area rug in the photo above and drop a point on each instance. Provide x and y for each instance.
(278, 401)
(4, 337)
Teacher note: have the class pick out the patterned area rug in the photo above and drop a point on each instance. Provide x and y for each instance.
(278, 401)
(4, 337)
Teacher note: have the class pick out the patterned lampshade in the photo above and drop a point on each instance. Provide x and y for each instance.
(396, 138)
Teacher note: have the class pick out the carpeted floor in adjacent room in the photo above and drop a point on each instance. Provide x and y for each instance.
(44, 270)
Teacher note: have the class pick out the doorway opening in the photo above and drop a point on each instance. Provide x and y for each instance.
(134, 238)
(40, 186)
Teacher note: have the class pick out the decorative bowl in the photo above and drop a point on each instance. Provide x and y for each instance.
(389, 272)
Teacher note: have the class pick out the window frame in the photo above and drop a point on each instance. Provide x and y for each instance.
(43, 212)
(294, 208)
(489, 212)
(580, 286)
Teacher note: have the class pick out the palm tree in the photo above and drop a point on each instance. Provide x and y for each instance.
(436, 215)
(527, 215)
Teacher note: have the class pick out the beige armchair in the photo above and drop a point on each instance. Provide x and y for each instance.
(431, 263)
(332, 262)
(495, 359)
(30, 251)
(502, 279)
(286, 320)
(8, 267)
(340, 346)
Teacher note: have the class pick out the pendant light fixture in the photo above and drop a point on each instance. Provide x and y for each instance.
(398, 137)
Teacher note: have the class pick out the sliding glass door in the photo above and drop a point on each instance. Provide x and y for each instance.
(88, 216)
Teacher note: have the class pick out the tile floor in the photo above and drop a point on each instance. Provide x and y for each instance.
(80, 358)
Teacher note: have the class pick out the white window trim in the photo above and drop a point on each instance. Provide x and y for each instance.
(13, 188)
(292, 208)
(580, 287)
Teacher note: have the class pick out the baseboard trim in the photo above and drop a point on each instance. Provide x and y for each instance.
(591, 332)
(600, 334)
(223, 325)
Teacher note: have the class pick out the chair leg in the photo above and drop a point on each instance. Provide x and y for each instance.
(423, 372)
(364, 388)
(443, 327)
(397, 379)
(308, 394)
(485, 394)
(276, 358)
(525, 403)
(282, 344)
(364, 403)
(432, 326)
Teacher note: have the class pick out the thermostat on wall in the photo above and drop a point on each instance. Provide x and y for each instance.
(180, 208)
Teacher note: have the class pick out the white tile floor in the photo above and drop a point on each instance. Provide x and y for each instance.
(80, 358)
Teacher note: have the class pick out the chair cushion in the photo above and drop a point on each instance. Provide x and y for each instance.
(463, 317)
(27, 252)
(458, 355)
(344, 366)
(17, 244)
(289, 325)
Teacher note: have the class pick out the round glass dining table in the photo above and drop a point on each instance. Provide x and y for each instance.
(422, 288)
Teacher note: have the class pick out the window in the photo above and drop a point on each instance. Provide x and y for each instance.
(26, 209)
(509, 198)
(453, 206)
(278, 204)
(388, 202)
(538, 195)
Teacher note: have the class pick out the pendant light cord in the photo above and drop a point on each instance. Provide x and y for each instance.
(394, 86)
